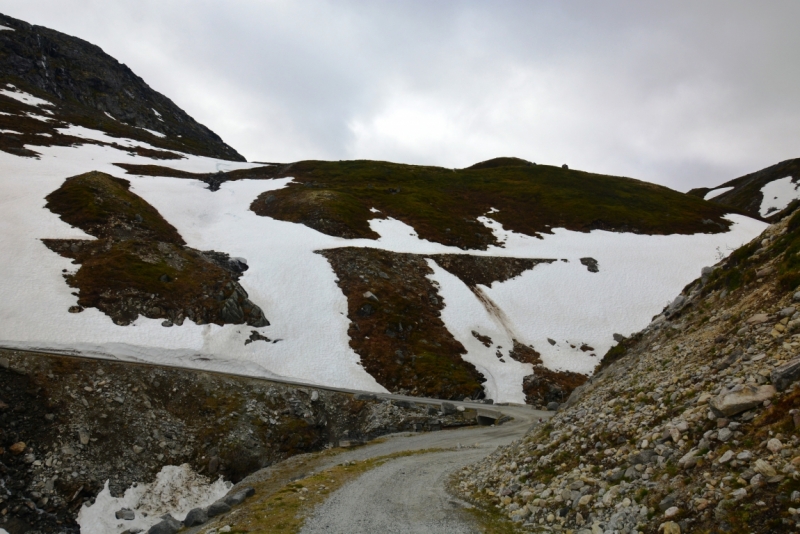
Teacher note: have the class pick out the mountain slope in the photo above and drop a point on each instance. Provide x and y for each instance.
(769, 193)
(691, 425)
(90, 88)
(505, 280)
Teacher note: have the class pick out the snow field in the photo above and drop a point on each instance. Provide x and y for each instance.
(296, 288)
(176, 491)
(21, 96)
(778, 194)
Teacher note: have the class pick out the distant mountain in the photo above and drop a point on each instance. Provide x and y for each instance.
(87, 87)
(769, 193)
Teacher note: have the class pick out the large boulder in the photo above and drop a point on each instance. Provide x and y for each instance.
(736, 402)
(219, 507)
(196, 516)
(785, 375)
(168, 525)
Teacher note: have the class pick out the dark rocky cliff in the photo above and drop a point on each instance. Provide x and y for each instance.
(85, 83)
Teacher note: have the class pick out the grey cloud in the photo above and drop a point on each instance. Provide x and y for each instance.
(681, 93)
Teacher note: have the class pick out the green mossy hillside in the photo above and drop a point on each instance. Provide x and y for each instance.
(443, 205)
(103, 206)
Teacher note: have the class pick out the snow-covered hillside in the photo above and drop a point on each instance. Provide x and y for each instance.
(557, 307)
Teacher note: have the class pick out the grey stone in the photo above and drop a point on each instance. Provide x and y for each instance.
(590, 264)
(736, 402)
(787, 312)
(448, 408)
(126, 514)
(725, 434)
(552, 406)
(196, 516)
(796, 297)
(365, 396)
(758, 318)
(668, 501)
(643, 457)
(219, 507)
(213, 465)
(165, 527)
(616, 476)
(235, 498)
(784, 375)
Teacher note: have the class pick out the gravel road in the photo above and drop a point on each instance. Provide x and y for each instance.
(408, 495)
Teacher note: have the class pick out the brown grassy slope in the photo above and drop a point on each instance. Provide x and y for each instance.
(398, 333)
(139, 264)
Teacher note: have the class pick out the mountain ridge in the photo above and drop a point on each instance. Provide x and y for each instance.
(93, 89)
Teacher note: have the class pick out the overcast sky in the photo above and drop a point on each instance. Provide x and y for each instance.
(682, 93)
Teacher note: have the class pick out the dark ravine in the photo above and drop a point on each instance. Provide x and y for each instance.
(85, 83)
(140, 265)
(83, 421)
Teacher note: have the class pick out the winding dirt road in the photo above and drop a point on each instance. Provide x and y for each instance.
(409, 495)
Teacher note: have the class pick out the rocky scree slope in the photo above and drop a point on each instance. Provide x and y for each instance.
(139, 264)
(692, 425)
(90, 88)
(67, 425)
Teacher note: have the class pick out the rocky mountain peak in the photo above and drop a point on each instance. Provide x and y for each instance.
(93, 89)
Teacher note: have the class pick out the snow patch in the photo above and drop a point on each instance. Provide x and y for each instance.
(158, 115)
(176, 491)
(157, 134)
(778, 194)
(373, 210)
(23, 97)
(109, 115)
(714, 193)
(5, 28)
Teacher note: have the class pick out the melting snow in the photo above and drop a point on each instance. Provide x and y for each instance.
(5, 28)
(157, 134)
(778, 194)
(297, 288)
(176, 491)
(714, 193)
(23, 97)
